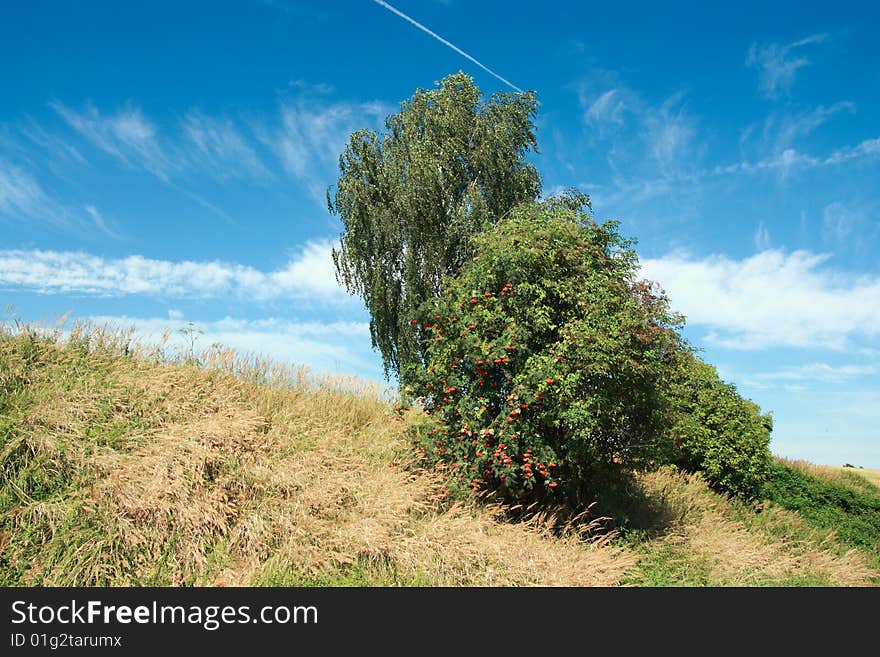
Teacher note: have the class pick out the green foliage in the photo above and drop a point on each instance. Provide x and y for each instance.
(715, 430)
(854, 514)
(410, 199)
(544, 359)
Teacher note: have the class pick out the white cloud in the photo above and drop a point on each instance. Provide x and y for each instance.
(770, 299)
(782, 162)
(819, 372)
(313, 270)
(202, 144)
(306, 137)
(312, 137)
(217, 145)
(779, 64)
(790, 159)
(670, 134)
(644, 140)
(20, 194)
(607, 108)
(762, 237)
(324, 347)
(322, 88)
(126, 135)
(842, 223)
(55, 147)
(869, 148)
(310, 275)
(22, 198)
(782, 129)
(99, 221)
(679, 176)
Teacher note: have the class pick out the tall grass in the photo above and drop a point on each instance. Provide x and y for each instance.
(836, 501)
(700, 538)
(122, 464)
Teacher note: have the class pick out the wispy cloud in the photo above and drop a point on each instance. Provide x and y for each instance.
(683, 176)
(782, 131)
(779, 64)
(100, 222)
(20, 194)
(670, 135)
(661, 150)
(446, 43)
(126, 135)
(22, 198)
(773, 143)
(762, 237)
(850, 225)
(868, 149)
(813, 372)
(55, 148)
(608, 108)
(791, 159)
(200, 145)
(304, 140)
(321, 88)
(312, 135)
(643, 139)
(771, 299)
(308, 276)
(218, 146)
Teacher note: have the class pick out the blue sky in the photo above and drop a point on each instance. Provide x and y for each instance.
(167, 163)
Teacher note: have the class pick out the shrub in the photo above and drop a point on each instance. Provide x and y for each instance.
(715, 430)
(544, 359)
(827, 504)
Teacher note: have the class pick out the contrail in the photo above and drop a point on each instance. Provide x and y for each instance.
(446, 43)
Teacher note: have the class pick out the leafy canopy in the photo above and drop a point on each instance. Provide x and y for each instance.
(410, 199)
(545, 358)
(715, 430)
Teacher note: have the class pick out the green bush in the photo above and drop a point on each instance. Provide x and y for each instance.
(853, 514)
(544, 359)
(715, 430)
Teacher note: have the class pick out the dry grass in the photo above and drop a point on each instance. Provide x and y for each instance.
(871, 475)
(240, 472)
(735, 547)
(122, 465)
(846, 476)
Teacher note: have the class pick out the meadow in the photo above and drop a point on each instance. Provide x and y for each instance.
(125, 465)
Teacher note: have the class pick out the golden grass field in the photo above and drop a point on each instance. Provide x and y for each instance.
(123, 466)
(871, 475)
(835, 473)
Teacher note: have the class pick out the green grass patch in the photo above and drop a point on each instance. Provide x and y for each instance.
(853, 512)
(666, 564)
(362, 572)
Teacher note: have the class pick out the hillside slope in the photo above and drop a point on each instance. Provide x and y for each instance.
(121, 466)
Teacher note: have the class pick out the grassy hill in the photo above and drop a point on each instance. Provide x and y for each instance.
(848, 475)
(120, 465)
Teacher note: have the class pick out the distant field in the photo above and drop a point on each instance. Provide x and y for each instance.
(851, 476)
(871, 475)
